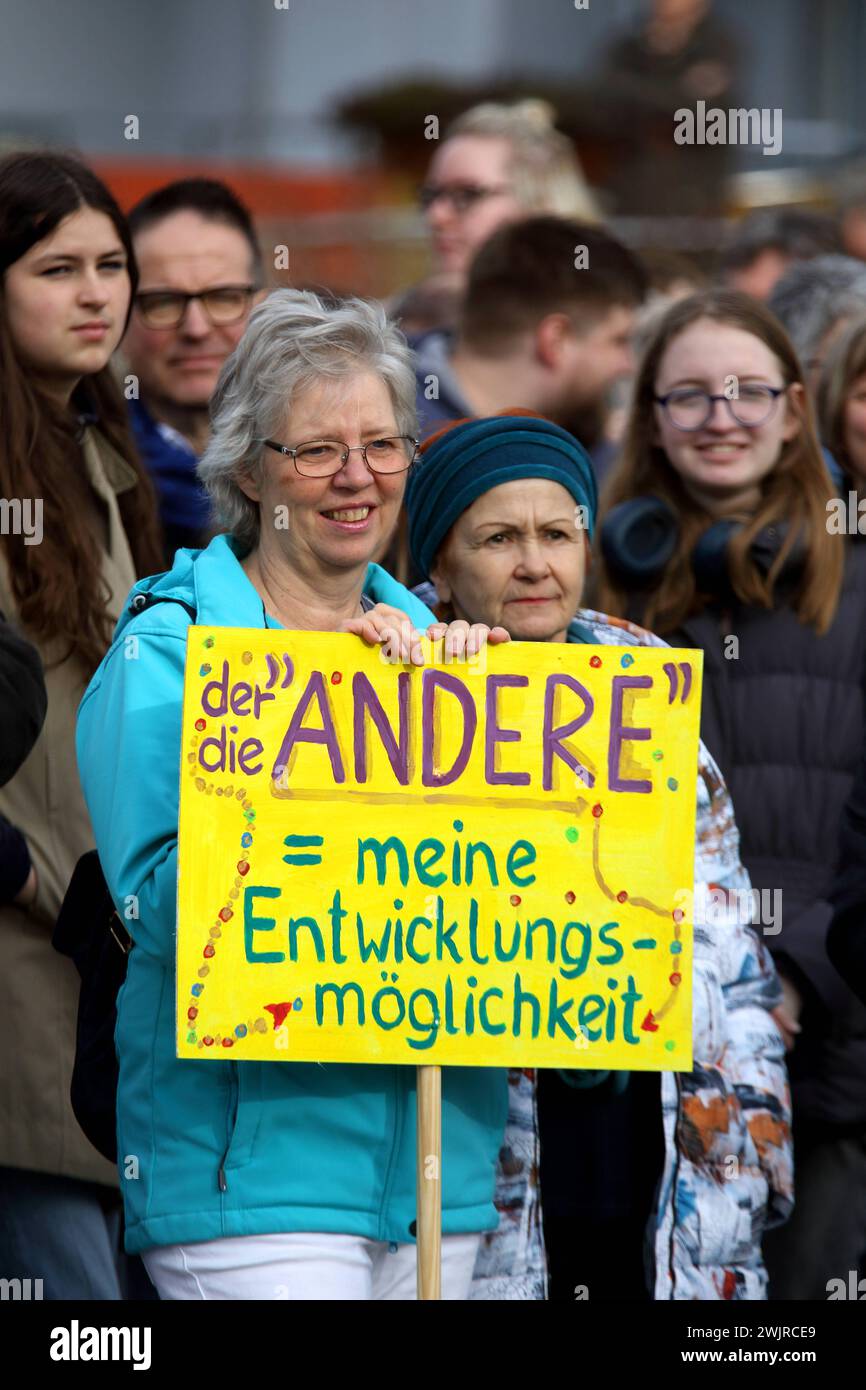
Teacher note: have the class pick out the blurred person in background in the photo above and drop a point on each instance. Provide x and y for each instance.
(814, 301)
(433, 305)
(852, 217)
(841, 398)
(677, 54)
(628, 1163)
(764, 244)
(671, 276)
(846, 939)
(546, 324)
(499, 162)
(715, 533)
(68, 275)
(200, 273)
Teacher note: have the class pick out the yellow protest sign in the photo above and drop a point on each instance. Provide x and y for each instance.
(471, 863)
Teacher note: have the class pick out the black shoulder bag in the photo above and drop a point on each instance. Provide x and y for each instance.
(89, 930)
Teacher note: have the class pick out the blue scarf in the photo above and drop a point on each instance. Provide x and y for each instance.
(171, 462)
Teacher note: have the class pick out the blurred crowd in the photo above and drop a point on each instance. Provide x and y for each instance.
(551, 437)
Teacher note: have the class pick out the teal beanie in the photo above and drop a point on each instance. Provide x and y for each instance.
(462, 463)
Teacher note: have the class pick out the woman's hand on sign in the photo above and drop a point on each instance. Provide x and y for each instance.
(391, 629)
(401, 641)
(463, 640)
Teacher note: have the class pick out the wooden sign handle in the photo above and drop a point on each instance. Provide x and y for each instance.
(429, 1227)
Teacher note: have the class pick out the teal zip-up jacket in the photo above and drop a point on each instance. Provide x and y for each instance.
(205, 1148)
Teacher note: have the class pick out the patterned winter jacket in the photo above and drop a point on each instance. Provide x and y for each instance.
(728, 1166)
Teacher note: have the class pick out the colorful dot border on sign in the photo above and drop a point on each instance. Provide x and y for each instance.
(675, 977)
(225, 911)
(676, 916)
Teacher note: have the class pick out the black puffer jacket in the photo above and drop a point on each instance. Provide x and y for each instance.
(846, 940)
(783, 714)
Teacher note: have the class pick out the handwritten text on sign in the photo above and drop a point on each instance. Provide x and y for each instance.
(466, 863)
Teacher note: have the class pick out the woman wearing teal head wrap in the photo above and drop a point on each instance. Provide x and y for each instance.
(501, 512)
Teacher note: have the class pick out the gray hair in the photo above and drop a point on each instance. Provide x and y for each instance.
(813, 295)
(293, 339)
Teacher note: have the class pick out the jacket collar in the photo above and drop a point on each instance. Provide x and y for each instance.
(224, 595)
(104, 463)
(579, 632)
(215, 584)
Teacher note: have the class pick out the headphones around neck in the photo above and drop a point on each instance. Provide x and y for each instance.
(639, 539)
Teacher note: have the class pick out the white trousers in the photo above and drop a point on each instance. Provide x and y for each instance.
(299, 1265)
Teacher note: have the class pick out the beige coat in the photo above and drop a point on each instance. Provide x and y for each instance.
(38, 987)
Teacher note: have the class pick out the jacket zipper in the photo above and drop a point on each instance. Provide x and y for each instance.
(231, 1125)
(400, 1094)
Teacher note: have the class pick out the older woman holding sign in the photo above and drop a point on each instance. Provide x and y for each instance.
(501, 513)
(253, 1180)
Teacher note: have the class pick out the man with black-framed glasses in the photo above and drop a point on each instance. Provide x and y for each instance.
(200, 275)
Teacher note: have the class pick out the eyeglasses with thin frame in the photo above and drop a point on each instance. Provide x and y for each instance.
(461, 196)
(320, 458)
(224, 304)
(690, 407)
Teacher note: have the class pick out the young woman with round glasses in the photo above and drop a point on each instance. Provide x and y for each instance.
(715, 535)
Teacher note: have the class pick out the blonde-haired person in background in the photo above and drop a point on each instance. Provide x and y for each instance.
(499, 162)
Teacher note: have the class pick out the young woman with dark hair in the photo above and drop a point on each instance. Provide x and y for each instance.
(715, 533)
(78, 527)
